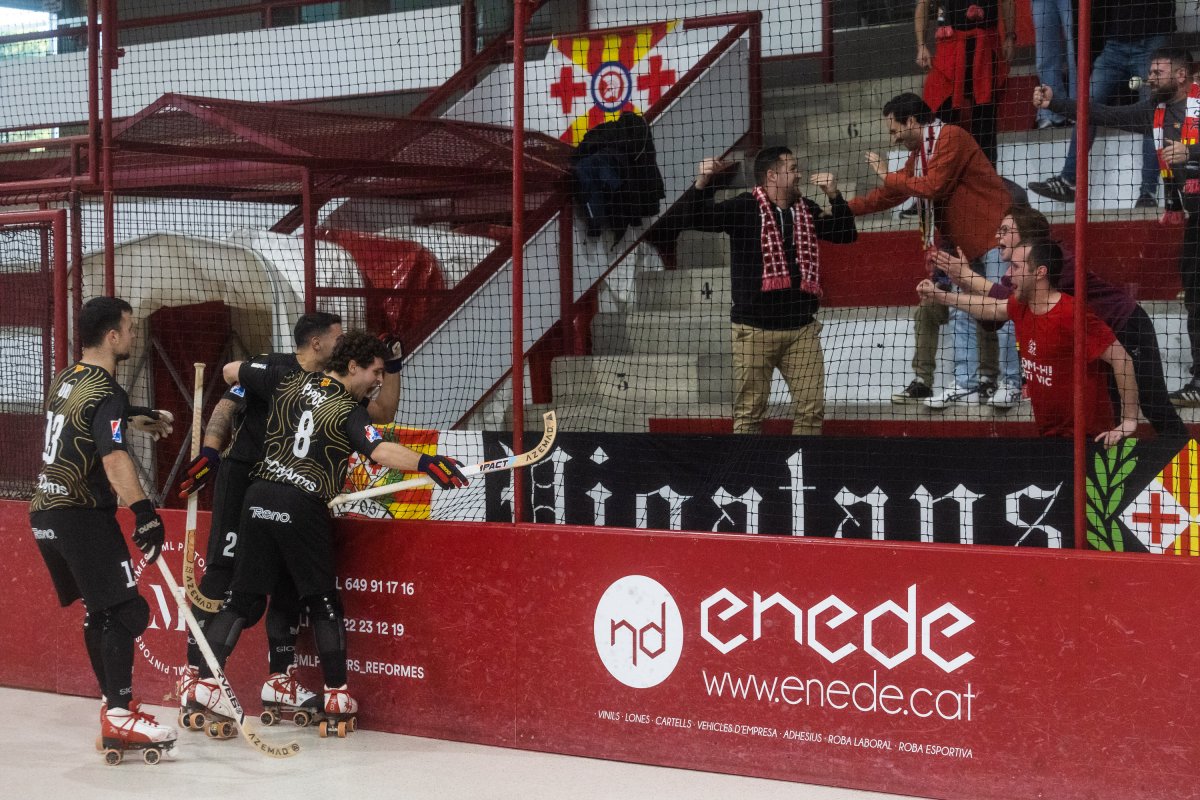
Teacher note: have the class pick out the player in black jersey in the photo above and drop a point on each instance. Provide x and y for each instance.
(316, 421)
(243, 416)
(73, 516)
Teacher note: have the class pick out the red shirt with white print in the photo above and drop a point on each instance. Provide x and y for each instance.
(1044, 342)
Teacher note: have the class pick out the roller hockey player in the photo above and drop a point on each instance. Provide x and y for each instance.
(316, 421)
(73, 516)
(243, 417)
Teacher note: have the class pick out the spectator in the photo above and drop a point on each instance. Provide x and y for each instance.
(1165, 115)
(969, 65)
(775, 277)
(962, 202)
(1043, 317)
(1054, 50)
(1131, 31)
(1112, 305)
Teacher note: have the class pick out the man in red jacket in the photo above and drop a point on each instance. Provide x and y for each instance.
(962, 201)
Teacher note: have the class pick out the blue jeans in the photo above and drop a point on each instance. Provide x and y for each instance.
(1010, 361)
(965, 331)
(1118, 62)
(1054, 49)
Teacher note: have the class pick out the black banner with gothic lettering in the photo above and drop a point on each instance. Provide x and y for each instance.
(1012, 492)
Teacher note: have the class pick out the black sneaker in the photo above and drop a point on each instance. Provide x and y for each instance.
(1055, 188)
(1146, 201)
(1188, 396)
(914, 393)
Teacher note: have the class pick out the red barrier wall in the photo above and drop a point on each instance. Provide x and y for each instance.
(942, 671)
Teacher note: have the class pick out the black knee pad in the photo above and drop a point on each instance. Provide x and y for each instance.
(323, 607)
(132, 616)
(250, 607)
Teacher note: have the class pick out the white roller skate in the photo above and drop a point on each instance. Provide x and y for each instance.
(339, 713)
(283, 696)
(218, 717)
(192, 714)
(133, 729)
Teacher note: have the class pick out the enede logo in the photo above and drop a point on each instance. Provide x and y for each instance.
(639, 632)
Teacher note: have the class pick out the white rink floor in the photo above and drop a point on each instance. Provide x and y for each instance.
(53, 756)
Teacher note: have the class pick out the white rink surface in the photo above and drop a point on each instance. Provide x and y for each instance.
(53, 756)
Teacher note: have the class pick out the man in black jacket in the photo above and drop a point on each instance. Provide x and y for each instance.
(1164, 117)
(775, 280)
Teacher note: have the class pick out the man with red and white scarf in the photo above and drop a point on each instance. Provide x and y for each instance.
(775, 278)
(1171, 116)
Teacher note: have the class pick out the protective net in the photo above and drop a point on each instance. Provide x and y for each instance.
(27, 339)
(725, 213)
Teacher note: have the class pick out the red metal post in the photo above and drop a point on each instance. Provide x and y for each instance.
(61, 297)
(310, 244)
(469, 30)
(755, 85)
(1078, 366)
(109, 57)
(76, 201)
(518, 248)
(827, 41)
(93, 64)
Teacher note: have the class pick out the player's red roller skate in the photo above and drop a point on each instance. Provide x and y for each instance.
(340, 713)
(283, 696)
(131, 728)
(220, 720)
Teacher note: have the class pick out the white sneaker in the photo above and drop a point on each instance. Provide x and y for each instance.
(1007, 396)
(953, 394)
(283, 689)
(207, 693)
(339, 701)
(134, 726)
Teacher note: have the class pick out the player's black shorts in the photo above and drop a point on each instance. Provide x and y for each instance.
(229, 494)
(284, 533)
(87, 556)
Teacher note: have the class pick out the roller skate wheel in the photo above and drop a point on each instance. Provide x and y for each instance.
(302, 719)
(353, 725)
(324, 728)
(112, 757)
(227, 730)
(182, 719)
(341, 729)
(268, 717)
(213, 730)
(151, 755)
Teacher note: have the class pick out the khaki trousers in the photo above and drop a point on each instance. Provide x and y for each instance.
(927, 319)
(757, 353)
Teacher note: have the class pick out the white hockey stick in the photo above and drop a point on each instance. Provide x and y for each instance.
(275, 751)
(198, 599)
(498, 465)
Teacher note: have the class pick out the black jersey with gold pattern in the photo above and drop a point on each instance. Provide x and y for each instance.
(85, 421)
(313, 427)
(250, 420)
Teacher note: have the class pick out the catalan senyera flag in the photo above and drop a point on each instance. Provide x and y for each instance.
(610, 73)
(364, 473)
(1165, 517)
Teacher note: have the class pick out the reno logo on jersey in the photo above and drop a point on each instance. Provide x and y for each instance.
(116, 431)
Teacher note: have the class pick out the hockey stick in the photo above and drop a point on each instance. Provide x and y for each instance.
(275, 751)
(498, 465)
(189, 538)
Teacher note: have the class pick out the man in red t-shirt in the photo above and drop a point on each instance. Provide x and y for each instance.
(1043, 318)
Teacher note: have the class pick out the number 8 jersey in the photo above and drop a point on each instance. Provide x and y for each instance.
(85, 421)
(313, 427)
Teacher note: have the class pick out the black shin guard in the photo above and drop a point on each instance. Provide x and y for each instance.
(121, 625)
(282, 630)
(93, 637)
(329, 629)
